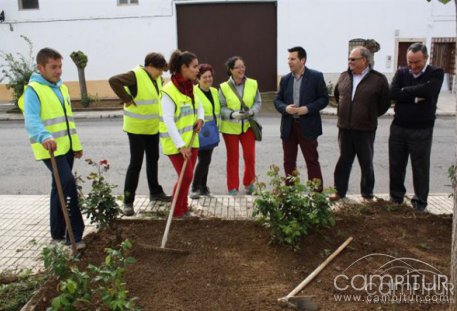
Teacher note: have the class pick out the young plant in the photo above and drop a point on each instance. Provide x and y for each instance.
(291, 211)
(99, 285)
(100, 205)
(58, 260)
(110, 278)
(17, 69)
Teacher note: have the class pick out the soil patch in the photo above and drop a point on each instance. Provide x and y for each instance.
(231, 266)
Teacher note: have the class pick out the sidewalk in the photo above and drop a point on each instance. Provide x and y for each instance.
(446, 107)
(24, 221)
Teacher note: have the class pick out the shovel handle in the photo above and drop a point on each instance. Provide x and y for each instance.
(319, 269)
(63, 204)
(175, 196)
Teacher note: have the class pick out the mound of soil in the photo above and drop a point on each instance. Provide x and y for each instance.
(231, 265)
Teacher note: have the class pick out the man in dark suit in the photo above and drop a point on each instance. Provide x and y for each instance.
(415, 92)
(302, 94)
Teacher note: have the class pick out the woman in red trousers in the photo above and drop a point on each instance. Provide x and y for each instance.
(181, 118)
(235, 127)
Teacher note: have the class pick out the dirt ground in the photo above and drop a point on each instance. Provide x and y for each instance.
(231, 266)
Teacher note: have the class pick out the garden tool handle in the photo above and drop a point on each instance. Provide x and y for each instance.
(63, 204)
(319, 269)
(175, 196)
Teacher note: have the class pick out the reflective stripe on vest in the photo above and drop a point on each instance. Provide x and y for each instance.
(62, 128)
(207, 106)
(185, 118)
(143, 118)
(232, 126)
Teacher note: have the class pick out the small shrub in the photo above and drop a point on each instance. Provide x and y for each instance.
(292, 211)
(100, 205)
(58, 260)
(17, 68)
(99, 285)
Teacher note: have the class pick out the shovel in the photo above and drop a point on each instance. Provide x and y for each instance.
(63, 204)
(304, 303)
(172, 210)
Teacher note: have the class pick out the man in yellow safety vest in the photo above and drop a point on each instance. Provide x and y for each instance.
(50, 125)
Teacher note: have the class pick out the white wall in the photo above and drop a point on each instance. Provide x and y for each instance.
(324, 27)
(116, 38)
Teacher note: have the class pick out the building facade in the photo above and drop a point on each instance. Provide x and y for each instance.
(117, 34)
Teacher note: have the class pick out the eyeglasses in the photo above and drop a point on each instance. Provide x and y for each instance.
(239, 67)
(353, 59)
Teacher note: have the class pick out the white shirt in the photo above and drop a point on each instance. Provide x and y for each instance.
(356, 80)
(168, 113)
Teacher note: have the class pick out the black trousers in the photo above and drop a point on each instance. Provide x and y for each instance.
(58, 228)
(417, 144)
(201, 171)
(352, 143)
(139, 145)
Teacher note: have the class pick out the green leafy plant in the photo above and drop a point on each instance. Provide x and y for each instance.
(58, 260)
(110, 278)
(99, 285)
(17, 69)
(291, 211)
(100, 205)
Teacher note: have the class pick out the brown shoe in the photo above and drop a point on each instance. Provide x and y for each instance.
(335, 197)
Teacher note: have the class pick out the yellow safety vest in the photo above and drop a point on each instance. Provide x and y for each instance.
(57, 120)
(207, 106)
(185, 118)
(233, 126)
(143, 118)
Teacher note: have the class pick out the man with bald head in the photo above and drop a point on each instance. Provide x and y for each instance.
(362, 94)
(415, 91)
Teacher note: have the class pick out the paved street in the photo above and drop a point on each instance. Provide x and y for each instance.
(104, 139)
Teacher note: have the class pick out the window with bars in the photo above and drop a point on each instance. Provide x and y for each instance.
(126, 2)
(28, 4)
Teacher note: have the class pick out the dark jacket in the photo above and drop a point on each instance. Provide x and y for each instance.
(313, 94)
(404, 89)
(371, 100)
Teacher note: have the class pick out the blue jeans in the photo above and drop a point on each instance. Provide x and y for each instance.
(58, 228)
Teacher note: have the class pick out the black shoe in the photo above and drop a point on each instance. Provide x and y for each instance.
(160, 197)
(128, 209)
(420, 208)
(204, 190)
(195, 195)
(395, 201)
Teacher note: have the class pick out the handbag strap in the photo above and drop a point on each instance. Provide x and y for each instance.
(243, 105)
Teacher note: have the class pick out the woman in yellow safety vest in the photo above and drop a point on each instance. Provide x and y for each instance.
(181, 116)
(209, 136)
(235, 126)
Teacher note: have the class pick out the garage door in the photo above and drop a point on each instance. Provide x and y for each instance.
(216, 31)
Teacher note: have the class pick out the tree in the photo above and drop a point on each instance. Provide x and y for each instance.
(80, 60)
(17, 69)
